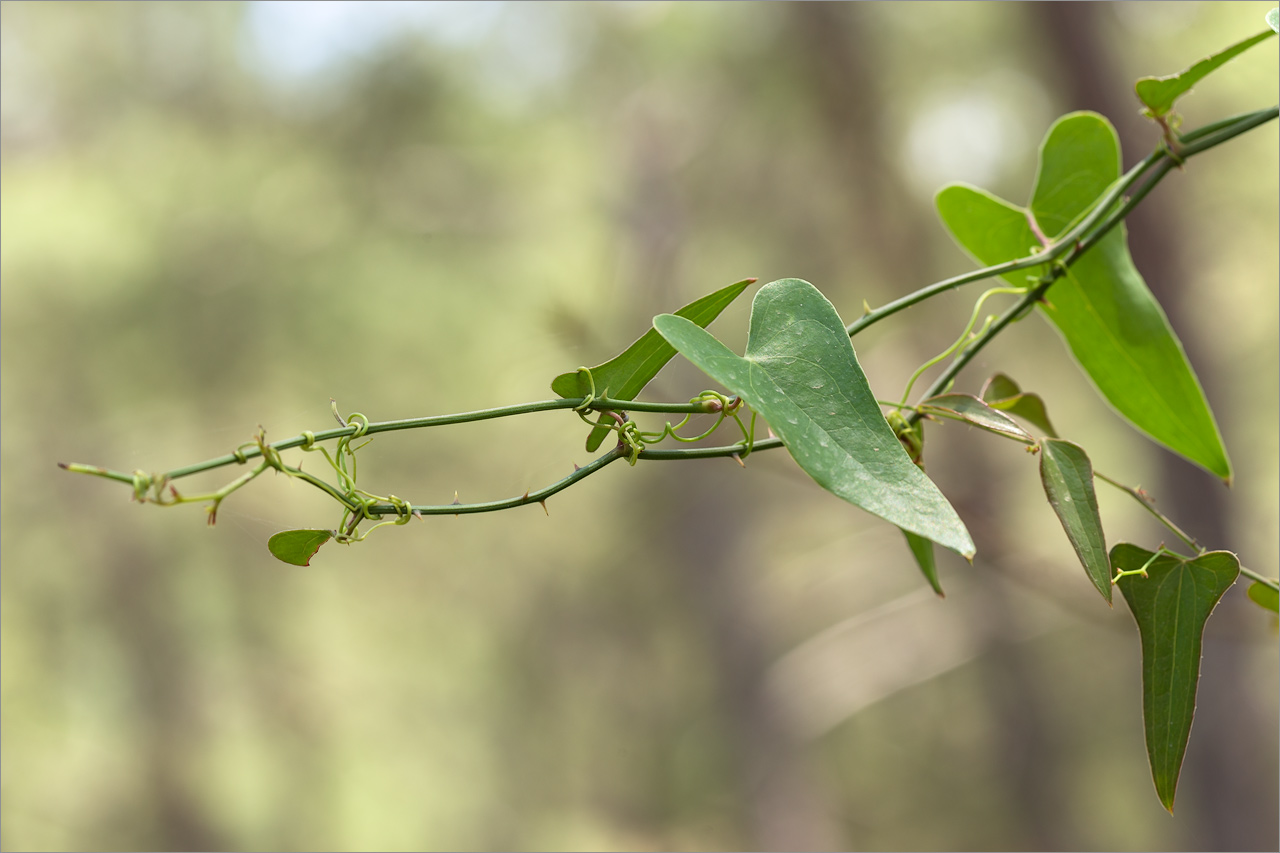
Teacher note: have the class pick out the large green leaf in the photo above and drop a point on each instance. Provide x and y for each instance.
(1067, 475)
(1001, 392)
(625, 375)
(1160, 93)
(801, 373)
(1171, 606)
(967, 408)
(297, 547)
(1114, 327)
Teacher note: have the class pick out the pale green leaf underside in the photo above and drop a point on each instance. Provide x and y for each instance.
(801, 374)
(1112, 324)
(971, 410)
(1273, 19)
(625, 375)
(298, 546)
(1160, 93)
(1067, 475)
(1171, 606)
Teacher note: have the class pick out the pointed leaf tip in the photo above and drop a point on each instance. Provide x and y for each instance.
(922, 551)
(626, 374)
(1171, 606)
(1104, 311)
(1159, 94)
(800, 372)
(297, 547)
(1067, 475)
(967, 408)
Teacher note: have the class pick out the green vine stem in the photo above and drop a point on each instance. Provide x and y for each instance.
(1057, 257)
(1163, 162)
(1143, 498)
(1193, 142)
(306, 439)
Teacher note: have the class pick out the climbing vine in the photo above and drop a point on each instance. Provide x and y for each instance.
(1063, 255)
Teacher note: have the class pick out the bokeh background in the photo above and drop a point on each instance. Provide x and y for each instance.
(217, 216)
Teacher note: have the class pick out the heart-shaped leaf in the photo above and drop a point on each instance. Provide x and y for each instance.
(1160, 93)
(298, 546)
(625, 375)
(1265, 596)
(1003, 393)
(1171, 606)
(1114, 327)
(971, 410)
(801, 373)
(1067, 475)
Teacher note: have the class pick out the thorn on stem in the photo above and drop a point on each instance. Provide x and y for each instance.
(738, 459)
(418, 515)
(576, 467)
(544, 507)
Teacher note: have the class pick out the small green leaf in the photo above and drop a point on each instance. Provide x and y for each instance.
(624, 376)
(1115, 329)
(801, 373)
(1171, 606)
(1273, 20)
(1003, 393)
(922, 550)
(1160, 93)
(967, 408)
(1265, 596)
(999, 387)
(1067, 475)
(298, 546)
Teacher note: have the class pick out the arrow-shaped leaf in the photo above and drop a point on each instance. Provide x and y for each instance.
(1160, 93)
(801, 373)
(1003, 393)
(1115, 329)
(1171, 606)
(1067, 475)
(298, 546)
(625, 375)
(971, 410)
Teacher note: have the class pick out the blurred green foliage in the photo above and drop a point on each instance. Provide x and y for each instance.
(206, 228)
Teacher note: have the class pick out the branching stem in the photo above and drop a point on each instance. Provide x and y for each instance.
(1057, 258)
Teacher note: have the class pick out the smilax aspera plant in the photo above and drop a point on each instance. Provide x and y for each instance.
(1063, 255)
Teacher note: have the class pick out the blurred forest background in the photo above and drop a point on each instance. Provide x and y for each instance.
(220, 215)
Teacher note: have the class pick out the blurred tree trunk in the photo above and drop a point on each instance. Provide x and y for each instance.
(835, 65)
(700, 516)
(837, 47)
(1222, 776)
(163, 686)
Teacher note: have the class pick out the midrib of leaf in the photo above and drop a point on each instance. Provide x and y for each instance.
(1173, 669)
